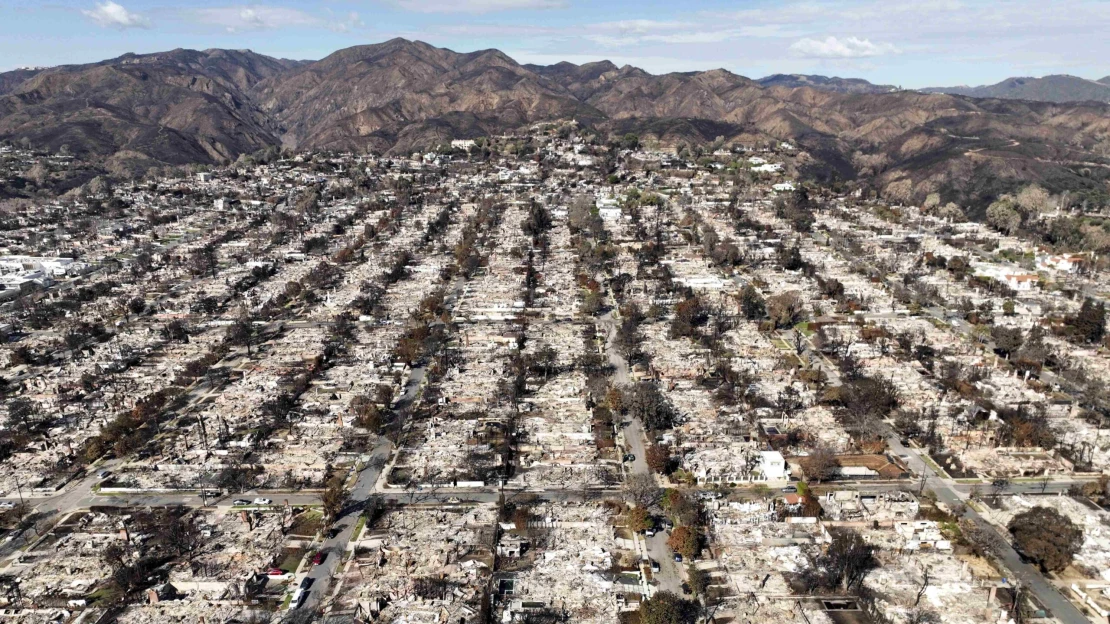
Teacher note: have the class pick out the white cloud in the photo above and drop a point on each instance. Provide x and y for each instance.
(705, 36)
(351, 22)
(639, 26)
(255, 17)
(609, 41)
(476, 6)
(497, 30)
(645, 31)
(845, 48)
(111, 15)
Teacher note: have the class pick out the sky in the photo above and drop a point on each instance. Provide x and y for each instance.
(905, 43)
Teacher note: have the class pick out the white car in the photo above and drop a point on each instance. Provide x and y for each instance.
(6, 505)
(262, 501)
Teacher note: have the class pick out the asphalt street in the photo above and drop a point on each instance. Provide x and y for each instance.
(669, 577)
(343, 528)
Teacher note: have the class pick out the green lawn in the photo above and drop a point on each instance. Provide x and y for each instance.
(307, 523)
(292, 559)
(358, 526)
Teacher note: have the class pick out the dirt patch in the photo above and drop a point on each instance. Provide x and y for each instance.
(979, 567)
(952, 465)
(885, 466)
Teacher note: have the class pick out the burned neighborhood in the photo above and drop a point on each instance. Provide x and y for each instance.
(547, 376)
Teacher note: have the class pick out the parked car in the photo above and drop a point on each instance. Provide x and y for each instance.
(649, 532)
(240, 502)
(319, 558)
(454, 500)
(276, 572)
(629, 457)
(302, 592)
(790, 489)
(6, 505)
(678, 557)
(263, 501)
(104, 474)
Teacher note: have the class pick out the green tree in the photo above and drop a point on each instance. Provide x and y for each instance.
(21, 413)
(1007, 340)
(1046, 537)
(952, 212)
(1033, 200)
(752, 305)
(668, 608)
(645, 402)
(334, 498)
(630, 141)
(1090, 321)
(698, 580)
(1002, 216)
(241, 333)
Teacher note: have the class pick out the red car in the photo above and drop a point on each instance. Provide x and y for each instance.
(275, 572)
(319, 558)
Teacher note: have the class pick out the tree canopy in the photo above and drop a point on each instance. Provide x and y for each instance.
(1046, 537)
(668, 608)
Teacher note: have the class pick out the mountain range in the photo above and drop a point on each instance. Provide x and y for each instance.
(824, 83)
(1058, 88)
(211, 106)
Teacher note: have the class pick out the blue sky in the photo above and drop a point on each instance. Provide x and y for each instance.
(901, 42)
